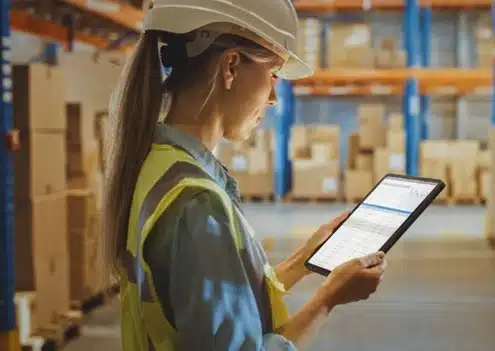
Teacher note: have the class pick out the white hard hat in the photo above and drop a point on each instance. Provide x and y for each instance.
(270, 23)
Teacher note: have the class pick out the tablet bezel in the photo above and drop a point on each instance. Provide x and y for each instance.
(440, 185)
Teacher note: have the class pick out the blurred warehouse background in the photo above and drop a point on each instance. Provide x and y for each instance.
(402, 86)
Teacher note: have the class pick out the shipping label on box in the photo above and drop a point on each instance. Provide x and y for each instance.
(397, 162)
(239, 163)
(329, 185)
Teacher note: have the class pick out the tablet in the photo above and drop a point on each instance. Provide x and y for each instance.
(378, 221)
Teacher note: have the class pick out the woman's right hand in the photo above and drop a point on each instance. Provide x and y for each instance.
(354, 280)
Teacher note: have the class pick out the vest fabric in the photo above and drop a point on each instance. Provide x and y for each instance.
(168, 173)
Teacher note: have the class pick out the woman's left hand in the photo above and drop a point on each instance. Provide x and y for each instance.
(323, 233)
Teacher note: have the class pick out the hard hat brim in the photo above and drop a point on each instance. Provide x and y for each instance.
(294, 68)
(172, 18)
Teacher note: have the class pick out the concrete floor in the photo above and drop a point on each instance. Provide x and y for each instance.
(438, 293)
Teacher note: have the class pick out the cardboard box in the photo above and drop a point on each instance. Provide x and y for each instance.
(83, 159)
(42, 261)
(329, 133)
(485, 178)
(259, 161)
(396, 142)
(39, 166)
(38, 98)
(364, 162)
(383, 59)
(352, 150)
(87, 272)
(371, 126)
(484, 159)
(314, 180)
(324, 152)
(81, 124)
(95, 78)
(350, 45)
(254, 184)
(82, 209)
(396, 122)
(464, 184)
(436, 149)
(357, 184)
(381, 163)
(300, 142)
(490, 203)
(436, 168)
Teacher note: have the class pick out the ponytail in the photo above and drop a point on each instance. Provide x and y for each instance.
(134, 112)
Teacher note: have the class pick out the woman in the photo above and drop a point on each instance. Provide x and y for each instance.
(193, 276)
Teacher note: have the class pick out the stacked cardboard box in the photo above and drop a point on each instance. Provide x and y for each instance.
(315, 154)
(484, 164)
(40, 190)
(309, 41)
(455, 162)
(250, 163)
(371, 126)
(434, 160)
(464, 169)
(375, 150)
(358, 177)
(350, 46)
(389, 56)
(485, 41)
(490, 203)
(85, 266)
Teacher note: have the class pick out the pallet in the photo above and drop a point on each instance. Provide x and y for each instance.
(95, 301)
(49, 337)
(258, 198)
(464, 201)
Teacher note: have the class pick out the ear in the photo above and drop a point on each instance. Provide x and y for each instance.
(229, 68)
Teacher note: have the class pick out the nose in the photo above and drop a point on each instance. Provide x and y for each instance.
(272, 100)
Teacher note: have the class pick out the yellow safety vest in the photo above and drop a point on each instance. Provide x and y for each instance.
(166, 172)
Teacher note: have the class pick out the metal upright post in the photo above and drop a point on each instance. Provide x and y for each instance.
(283, 122)
(425, 100)
(8, 336)
(411, 91)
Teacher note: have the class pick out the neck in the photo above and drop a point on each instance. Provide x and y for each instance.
(205, 126)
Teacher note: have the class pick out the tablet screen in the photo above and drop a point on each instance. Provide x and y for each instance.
(372, 224)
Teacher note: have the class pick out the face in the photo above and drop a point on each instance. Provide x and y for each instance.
(248, 88)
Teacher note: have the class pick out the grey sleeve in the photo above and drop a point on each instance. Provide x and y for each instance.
(213, 304)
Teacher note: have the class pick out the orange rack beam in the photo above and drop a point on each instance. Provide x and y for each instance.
(25, 22)
(125, 15)
(443, 81)
(352, 5)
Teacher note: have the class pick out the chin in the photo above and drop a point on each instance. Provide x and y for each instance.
(240, 135)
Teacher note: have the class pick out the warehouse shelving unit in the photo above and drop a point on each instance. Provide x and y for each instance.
(416, 83)
(102, 24)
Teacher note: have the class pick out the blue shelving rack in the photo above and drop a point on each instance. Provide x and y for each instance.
(412, 103)
(425, 100)
(7, 286)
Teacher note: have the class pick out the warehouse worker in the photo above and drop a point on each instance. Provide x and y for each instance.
(193, 275)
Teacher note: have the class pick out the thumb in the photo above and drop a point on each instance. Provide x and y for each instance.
(337, 220)
(372, 259)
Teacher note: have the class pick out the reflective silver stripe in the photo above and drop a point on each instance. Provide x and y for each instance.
(177, 172)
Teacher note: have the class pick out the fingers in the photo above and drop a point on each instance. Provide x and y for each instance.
(372, 259)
